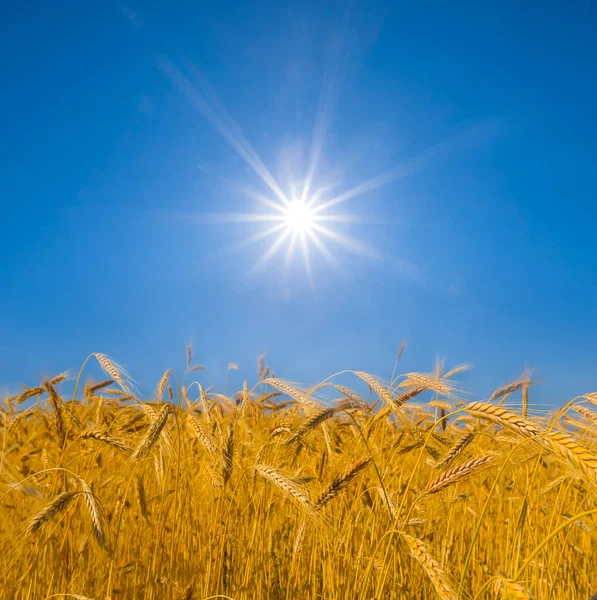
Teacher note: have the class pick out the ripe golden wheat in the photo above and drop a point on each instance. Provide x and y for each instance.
(401, 492)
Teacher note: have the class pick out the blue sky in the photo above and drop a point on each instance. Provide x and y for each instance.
(484, 251)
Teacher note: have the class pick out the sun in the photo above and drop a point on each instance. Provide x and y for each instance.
(298, 214)
(299, 222)
(299, 217)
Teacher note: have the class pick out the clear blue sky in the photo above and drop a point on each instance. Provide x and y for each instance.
(486, 250)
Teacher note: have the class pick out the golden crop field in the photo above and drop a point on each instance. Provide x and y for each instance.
(403, 492)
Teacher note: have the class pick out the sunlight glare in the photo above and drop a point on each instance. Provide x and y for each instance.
(299, 217)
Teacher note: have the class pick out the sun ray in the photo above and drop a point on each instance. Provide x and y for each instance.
(315, 197)
(290, 251)
(343, 219)
(265, 258)
(264, 200)
(323, 249)
(251, 240)
(222, 122)
(437, 153)
(235, 218)
(347, 242)
(335, 66)
(306, 256)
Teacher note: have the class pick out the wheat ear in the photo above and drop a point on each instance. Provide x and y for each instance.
(228, 455)
(587, 413)
(431, 567)
(56, 505)
(340, 482)
(159, 390)
(200, 433)
(95, 511)
(456, 450)
(503, 417)
(116, 372)
(376, 386)
(456, 474)
(102, 436)
(354, 398)
(436, 384)
(311, 423)
(296, 394)
(26, 394)
(153, 434)
(289, 487)
(577, 455)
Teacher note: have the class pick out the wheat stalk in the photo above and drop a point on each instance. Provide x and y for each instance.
(96, 387)
(409, 395)
(203, 398)
(142, 497)
(510, 388)
(457, 370)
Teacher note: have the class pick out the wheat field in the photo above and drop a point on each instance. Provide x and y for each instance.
(404, 491)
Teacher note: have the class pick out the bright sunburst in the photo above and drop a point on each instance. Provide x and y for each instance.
(300, 222)
(299, 217)
(298, 225)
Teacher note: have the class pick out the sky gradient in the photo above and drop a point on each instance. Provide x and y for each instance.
(480, 244)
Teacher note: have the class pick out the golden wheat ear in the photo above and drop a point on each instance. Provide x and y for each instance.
(341, 481)
(102, 436)
(153, 433)
(116, 372)
(456, 474)
(95, 512)
(228, 456)
(456, 450)
(311, 423)
(354, 398)
(301, 397)
(504, 417)
(431, 566)
(53, 508)
(161, 386)
(376, 386)
(290, 489)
